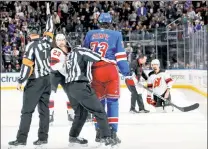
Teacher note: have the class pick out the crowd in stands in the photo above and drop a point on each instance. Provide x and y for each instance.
(76, 18)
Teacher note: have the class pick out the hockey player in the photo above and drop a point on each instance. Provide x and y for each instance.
(58, 56)
(160, 82)
(105, 81)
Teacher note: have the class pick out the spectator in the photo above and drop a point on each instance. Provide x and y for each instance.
(142, 11)
(197, 26)
(132, 17)
(129, 51)
(137, 20)
(79, 26)
(15, 55)
(191, 13)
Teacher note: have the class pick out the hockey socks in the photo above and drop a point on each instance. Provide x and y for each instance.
(112, 113)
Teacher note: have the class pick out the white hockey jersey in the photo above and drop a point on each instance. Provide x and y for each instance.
(58, 58)
(159, 82)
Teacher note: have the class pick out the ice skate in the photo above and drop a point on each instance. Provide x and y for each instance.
(108, 143)
(115, 137)
(76, 141)
(144, 111)
(40, 144)
(133, 111)
(16, 144)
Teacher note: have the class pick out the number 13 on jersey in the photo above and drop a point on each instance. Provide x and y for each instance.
(102, 47)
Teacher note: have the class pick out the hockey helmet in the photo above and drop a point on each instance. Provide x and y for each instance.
(60, 37)
(63, 37)
(105, 18)
(155, 62)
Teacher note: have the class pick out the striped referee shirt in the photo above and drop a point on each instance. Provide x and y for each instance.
(36, 58)
(79, 63)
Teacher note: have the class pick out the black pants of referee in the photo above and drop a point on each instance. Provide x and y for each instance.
(84, 99)
(36, 92)
(135, 97)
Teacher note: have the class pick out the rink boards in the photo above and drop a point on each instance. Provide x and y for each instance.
(195, 80)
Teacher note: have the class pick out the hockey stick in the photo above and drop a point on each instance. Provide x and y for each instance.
(183, 109)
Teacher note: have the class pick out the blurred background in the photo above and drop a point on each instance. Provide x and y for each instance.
(175, 32)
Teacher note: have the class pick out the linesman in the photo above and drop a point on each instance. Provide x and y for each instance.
(35, 69)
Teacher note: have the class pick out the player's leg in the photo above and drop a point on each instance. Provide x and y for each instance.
(113, 114)
(44, 113)
(167, 106)
(113, 94)
(32, 92)
(55, 79)
(159, 104)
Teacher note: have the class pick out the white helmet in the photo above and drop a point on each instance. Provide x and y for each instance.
(156, 62)
(60, 37)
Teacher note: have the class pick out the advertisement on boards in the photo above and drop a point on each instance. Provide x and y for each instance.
(9, 79)
(186, 77)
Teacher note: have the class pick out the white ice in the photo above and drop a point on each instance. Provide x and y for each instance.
(175, 130)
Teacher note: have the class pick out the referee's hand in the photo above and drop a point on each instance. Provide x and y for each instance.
(19, 87)
(47, 9)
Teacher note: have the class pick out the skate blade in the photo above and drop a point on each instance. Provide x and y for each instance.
(14, 147)
(76, 145)
(43, 146)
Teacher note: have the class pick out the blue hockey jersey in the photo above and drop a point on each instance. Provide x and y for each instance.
(109, 44)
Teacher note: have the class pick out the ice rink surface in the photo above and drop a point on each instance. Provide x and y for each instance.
(175, 130)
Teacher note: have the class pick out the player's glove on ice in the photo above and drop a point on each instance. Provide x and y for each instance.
(151, 101)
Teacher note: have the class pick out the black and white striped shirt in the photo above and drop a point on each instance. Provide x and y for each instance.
(36, 58)
(79, 63)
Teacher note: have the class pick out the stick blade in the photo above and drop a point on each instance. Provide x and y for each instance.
(190, 108)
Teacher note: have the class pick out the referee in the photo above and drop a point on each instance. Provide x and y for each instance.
(82, 96)
(35, 68)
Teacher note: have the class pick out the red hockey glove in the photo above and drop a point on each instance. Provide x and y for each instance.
(151, 101)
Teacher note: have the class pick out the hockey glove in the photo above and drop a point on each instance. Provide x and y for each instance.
(151, 101)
